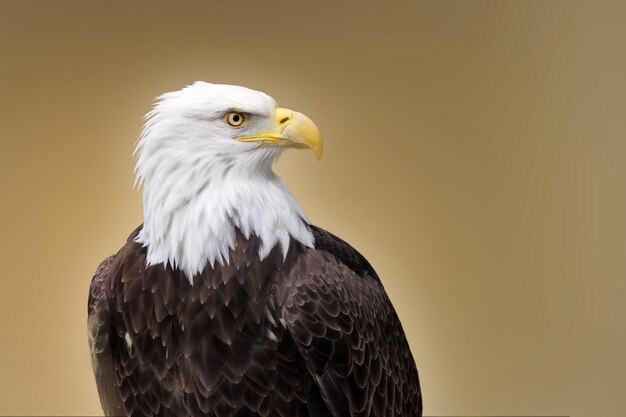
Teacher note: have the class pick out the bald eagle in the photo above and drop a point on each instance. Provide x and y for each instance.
(227, 301)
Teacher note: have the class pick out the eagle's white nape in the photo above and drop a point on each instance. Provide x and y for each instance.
(199, 183)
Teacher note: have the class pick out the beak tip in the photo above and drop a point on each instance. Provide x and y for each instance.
(317, 145)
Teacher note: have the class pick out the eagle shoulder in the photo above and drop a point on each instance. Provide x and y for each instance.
(100, 336)
(348, 333)
(350, 257)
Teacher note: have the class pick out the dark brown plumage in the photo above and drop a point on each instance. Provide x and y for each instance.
(311, 335)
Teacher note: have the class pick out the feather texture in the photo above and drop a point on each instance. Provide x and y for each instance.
(312, 334)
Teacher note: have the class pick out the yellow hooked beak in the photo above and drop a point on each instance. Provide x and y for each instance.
(290, 129)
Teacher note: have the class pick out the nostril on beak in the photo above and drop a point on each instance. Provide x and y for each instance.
(284, 120)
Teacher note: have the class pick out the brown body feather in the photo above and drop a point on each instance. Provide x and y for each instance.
(309, 335)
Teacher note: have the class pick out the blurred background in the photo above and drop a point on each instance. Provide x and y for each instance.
(475, 154)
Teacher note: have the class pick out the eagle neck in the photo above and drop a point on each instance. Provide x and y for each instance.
(192, 225)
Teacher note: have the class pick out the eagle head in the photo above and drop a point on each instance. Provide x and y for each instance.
(204, 160)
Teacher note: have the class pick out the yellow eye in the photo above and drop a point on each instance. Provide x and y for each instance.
(235, 119)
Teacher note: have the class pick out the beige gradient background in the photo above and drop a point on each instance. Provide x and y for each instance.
(475, 153)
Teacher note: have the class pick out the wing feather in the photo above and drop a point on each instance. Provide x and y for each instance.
(349, 334)
(100, 339)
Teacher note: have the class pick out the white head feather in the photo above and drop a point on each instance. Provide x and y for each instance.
(199, 183)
